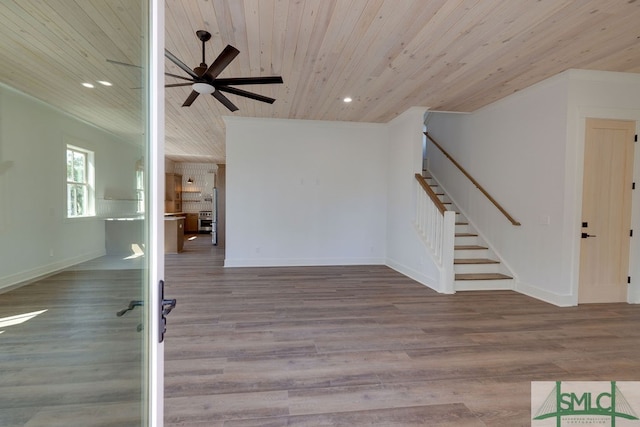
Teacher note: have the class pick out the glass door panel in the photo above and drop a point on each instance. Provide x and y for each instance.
(74, 213)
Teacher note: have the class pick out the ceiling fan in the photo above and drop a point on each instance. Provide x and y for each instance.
(204, 80)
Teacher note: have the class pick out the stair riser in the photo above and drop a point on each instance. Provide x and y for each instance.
(463, 228)
(471, 253)
(466, 240)
(484, 285)
(476, 268)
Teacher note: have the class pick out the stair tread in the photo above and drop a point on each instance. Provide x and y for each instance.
(475, 261)
(473, 247)
(482, 276)
(466, 235)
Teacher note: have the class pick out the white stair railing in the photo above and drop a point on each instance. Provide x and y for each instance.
(436, 226)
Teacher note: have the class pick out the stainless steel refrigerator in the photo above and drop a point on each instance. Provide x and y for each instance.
(214, 216)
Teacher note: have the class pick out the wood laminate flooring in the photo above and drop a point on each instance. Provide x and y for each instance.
(299, 346)
(366, 346)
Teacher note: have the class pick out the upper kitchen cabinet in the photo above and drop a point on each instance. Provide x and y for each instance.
(173, 193)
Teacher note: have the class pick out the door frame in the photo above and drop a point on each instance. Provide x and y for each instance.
(155, 131)
(573, 200)
(588, 290)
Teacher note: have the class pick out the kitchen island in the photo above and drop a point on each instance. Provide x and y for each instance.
(173, 233)
(125, 235)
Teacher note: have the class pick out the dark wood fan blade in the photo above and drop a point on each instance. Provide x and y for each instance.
(246, 94)
(221, 62)
(192, 97)
(234, 81)
(180, 64)
(178, 84)
(178, 77)
(224, 100)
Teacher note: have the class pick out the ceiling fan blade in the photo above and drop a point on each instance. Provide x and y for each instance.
(178, 84)
(178, 77)
(180, 64)
(192, 97)
(249, 81)
(123, 63)
(224, 100)
(221, 62)
(246, 94)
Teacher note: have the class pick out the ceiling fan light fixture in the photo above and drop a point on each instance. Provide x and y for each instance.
(203, 88)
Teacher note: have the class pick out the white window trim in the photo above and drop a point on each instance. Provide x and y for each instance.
(91, 200)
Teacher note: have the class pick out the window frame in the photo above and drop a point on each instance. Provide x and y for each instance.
(87, 184)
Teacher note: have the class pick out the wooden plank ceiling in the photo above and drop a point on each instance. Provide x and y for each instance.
(388, 55)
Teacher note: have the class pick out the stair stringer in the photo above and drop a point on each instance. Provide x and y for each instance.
(482, 238)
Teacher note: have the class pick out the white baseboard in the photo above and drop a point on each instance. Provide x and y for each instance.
(299, 262)
(484, 285)
(546, 296)
(45, 270)
(423, 279)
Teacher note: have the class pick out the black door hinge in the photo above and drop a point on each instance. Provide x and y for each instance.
(628, 279)
(630, 233)
(635, 138)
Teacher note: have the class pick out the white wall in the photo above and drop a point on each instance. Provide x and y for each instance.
(526, 150)
(602, 95)
(406, 252)
(35, 236)
(305, 192)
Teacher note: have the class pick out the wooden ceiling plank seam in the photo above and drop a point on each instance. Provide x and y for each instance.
(343, 16)
(411, 85)
(405, 26)
(442, 36)
(509, 27)
(291, 37)
(356, 73)
(280, 15)
(302, 56)
(332, 101)
(127, 37)
(48, 92)
(359, 39)
(538, 47)
(534, 36)
(370, 27)
(252, 18)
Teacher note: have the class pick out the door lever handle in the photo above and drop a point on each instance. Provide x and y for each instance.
(132, 304)
(585, 235)
(168, 305)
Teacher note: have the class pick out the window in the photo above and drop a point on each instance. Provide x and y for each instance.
(79, 182)
(140, 190)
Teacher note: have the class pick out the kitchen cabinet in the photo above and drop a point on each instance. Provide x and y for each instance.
(173, 193)
(191, 223)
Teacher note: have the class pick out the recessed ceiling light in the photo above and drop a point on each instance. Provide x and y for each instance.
(347, 99)
(105, 83)
(89, 85)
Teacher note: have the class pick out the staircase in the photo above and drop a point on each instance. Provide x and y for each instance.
(476, 267)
